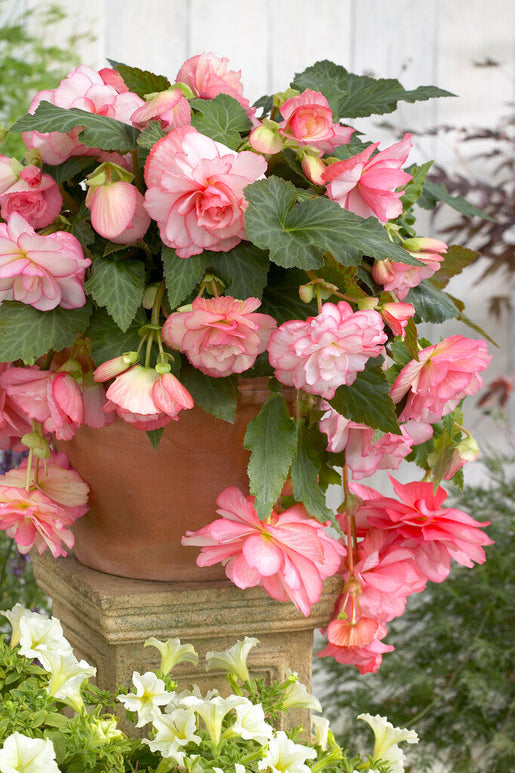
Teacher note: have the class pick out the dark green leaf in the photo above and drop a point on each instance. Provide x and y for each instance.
(154, 435)
(414, 188)
(118, 285)
(455, 260)
(221, 118)
(367, 400)
(152, 134)
(431, 304)
(434, 192)
(217, 396)
(99, 131)
(182, 275)
(281, 296)
(272, 439)
(26, 333)
(141, 82)
(244, 269)
(73, 166)
(107, 340)
(305, 469)
(299, 233)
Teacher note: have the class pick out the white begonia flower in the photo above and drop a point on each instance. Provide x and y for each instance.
(285, 756)
(250, 722)
(172, 652)
(386, 739)
(66, 677)
(320, 728)
(36, 633)
(21, 754)
(213, 712)
(233, 660)
(296, 695)
(174, 731)
(150, 694)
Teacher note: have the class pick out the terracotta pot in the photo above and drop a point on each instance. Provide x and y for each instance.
(142, 500)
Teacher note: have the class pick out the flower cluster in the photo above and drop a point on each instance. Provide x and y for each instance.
(163, 240)
(182, 730)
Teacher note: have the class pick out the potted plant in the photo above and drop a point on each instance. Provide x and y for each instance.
(243, 285)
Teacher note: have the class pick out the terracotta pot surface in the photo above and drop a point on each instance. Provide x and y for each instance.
(143, 500)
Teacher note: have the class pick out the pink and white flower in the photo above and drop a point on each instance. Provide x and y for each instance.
(397, 316)
(33, 195)
(169, 107)
(366, 184)
(207, 76)
(308, 120)
(441, 377)
(117, 212)
(43, 271)
(195, 191)
(220, 336)
(289, 555)
(326, 351)
(399, 277)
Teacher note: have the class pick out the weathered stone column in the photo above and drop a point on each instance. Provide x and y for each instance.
(108, 618)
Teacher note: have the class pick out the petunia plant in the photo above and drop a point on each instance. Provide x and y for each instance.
(162, 241)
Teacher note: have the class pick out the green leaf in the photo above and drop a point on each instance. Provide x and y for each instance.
(26, 333)
(141, 82)
(281, 296)
(217, 396)
(152, 134)
(154, 435)
(99, 131)
(414, 188)
(367, 400)
(434, 192)
(244, 269)
(182, 275)
(305, 469)
(70, 168)
(455, 260)
(107, 340)
(221, 118)
(272, 439)
(118, 285)
(299, 233)
(431, 304)
(355, 96)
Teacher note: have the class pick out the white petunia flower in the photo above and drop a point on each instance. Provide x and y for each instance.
(296, 695)
(386, 739)
(213, 712)
(174, 731)
(250, 722)
(285, 756)
(21, 754)
(320, 726)
(172, 652)
(150, 694)
(36, 633)
(66, 677)
(233, 660)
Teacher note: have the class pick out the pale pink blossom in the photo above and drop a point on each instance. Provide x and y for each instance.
(9, 171)
(83, 88)
(113, 78)
(289, 554)
(33, 195)
(397, 316)
(195, 191)
(14, 422)
(169, 107)
(366, 184)
(399, 277)
(441, 377)
(207, 75)
(308, 120)
(326, 351)
(43, 271)
(117, 212)
(221, 335)
(148, 400)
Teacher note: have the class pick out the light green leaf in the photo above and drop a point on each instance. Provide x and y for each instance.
(414, 188)
(217, 396)
(305, 469)
(367, 400)
(26, 333)
(118, 285)
(221, 118)
(272, 439)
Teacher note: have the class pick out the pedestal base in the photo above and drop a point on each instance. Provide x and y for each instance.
(107, 619)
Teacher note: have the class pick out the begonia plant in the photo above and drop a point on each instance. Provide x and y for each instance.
(162, 240)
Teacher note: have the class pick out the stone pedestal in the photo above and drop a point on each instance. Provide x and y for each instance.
(108, 618)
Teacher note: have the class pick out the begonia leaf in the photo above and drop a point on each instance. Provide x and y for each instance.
(454, 261)
(221, 118)
(367, 400)
(272, 439)
(107, 340)
(118, 286)
(181, 275)
(305, 469)
(244, 268)
(434, 192)
(299, 233)
(141, 82)
(27, 333)
(217, 396)
(281, 296)
(70, 168)
(99, 131)
(431, 304)
(149, 136)
(414, 188)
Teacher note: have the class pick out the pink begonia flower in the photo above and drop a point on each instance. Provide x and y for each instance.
(14, 423)
(326, 351)
(113, 78)
(195, 191)
(169, 107)
(143, 397)
(363, 454)
(419, 517)
(399, 277)
(42, 517)
(83, 88)
(42, 271)
(33, 195)
(466, 451)
(441, 377)
(207, 75)
(117, 212)
(221, 335)
(366, 184)
(397, 315)
(9, 171)
(308, 120)
(289, 555)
